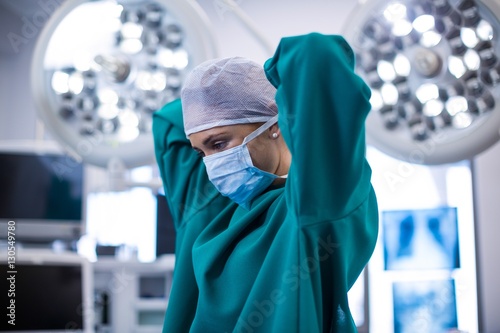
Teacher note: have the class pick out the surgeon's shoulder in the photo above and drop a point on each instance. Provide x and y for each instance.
(169, 110)
(170, 113)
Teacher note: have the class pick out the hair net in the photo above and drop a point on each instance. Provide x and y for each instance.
(226, 91)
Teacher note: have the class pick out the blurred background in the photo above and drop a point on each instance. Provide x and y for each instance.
(79, 81)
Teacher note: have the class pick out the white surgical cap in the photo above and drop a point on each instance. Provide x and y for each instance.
(226, 91)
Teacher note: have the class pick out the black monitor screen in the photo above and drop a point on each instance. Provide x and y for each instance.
(165, 231)
(47, 298)
(40, 187)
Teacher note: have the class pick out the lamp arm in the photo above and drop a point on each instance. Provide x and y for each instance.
(250, 25)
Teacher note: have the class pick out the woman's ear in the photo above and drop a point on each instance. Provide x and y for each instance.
(274, 132)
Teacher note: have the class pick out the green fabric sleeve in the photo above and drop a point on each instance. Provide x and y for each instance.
(193, 202)
(185, 181)
(322, 107)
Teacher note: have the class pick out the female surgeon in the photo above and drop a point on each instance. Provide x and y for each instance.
(265, 175)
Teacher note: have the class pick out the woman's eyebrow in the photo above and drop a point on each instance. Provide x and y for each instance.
(212, 137)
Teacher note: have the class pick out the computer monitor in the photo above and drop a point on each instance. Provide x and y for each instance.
(165, 231)
(46, 292)
(42, 193)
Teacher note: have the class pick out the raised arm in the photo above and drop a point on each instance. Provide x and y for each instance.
(322, 107)
(187, 188)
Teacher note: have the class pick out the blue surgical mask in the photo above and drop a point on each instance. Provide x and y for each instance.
(233, 173)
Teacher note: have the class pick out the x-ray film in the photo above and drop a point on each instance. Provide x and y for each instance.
(424, 306)
(421, 239)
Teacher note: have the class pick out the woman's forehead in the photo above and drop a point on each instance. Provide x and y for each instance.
(233, 130)
(237, 128)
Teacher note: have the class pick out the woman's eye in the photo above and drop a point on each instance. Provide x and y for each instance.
(200, 153)
(219, 145)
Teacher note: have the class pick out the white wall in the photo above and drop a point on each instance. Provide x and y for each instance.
(486, 175)
(17, 120)
(275, 18)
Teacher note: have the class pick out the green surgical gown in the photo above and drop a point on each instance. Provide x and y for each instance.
(286, 264)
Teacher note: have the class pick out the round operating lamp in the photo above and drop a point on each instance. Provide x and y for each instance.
(434, 71)
(101, 68)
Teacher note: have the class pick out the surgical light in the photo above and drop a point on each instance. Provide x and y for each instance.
(434, 72)
(102, 67)
(402, 65)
